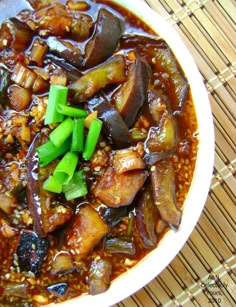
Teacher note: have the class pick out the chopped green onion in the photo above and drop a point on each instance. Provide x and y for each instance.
(71, 111)
(65, 169)
(61, 132)
(76, 187)
(52, 185)
(57, 95)
(48, 152)
(78, 135)
(92, 138)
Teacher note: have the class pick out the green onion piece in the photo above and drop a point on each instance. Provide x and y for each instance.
(71, 111)
(77, 143)
(49, 152)
(57, 95)
(65, 169)
(92, 138)
(76, 187)
(61, 132)
(52, 185)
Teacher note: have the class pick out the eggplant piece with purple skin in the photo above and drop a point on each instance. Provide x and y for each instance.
(163, 185)
(146, 217)
(114, 125)
(158, 104)
(31, 251)
(46, 218)
(71, 71)
(59, 289)
(113, 215)
(162, 138)
(99, 276)
(32, 189)
(107, 32)
(117, 190)
(66, 50)
(4, 83)
(110, 72)
(130, 97)
(172, 76)
(15, 34)
(120, 245)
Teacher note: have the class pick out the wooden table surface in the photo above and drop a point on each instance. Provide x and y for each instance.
(207, 27)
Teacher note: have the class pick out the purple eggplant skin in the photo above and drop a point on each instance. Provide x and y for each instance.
(130, 97)
(66, 50)
(4, 83)
(176, 83)
(21, 34)
(113, 215)
(110, 72)
(120, 245)
(146, 217)
(170, 77)
(164, 137)
(158, 104)
(32, 189)
(99, 276)
(163, 185)
(152, 158)
(114, 125)
(107, 32)
(31, 251)
(59, 289)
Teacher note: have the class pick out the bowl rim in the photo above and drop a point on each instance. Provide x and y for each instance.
(130, 282)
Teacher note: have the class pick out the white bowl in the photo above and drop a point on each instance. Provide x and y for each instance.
(146, 270)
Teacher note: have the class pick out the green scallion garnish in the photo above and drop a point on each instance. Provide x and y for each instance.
(61, 132)
(71, 111)
(52, 185)
(77, 143)
(57, 95)
(76, 187)
(48, 152)
(65, 169)
(92, 138)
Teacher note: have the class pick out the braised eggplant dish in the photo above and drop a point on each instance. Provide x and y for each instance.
(98, 144)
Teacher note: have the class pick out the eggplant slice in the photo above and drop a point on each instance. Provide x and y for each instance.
(130, 97)
(117, 190)
(146, 217)
(85, 232)
(108, 30)
(110, 72)
(115, 126)
(163, 185)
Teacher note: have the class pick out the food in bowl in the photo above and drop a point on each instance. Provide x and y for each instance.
(99, 139)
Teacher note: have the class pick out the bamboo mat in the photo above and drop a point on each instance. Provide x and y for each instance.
(208, 29)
